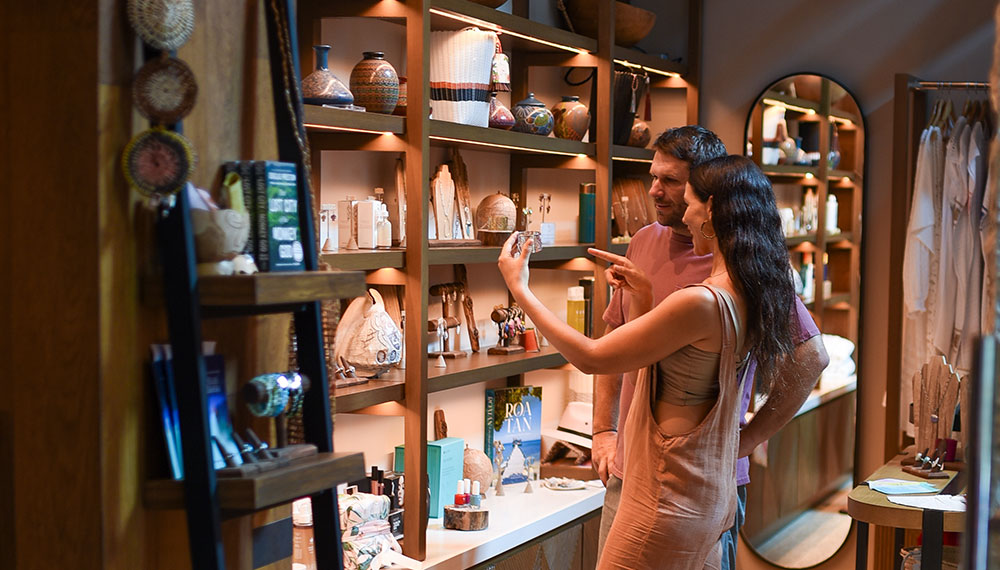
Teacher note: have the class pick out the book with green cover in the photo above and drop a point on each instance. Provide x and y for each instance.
(279, 245)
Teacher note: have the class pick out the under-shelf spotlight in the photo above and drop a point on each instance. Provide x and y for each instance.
(810, 175)
(846, 180)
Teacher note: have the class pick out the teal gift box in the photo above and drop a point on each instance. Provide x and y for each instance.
(445, 465)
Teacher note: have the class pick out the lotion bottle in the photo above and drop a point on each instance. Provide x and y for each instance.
(576, 308)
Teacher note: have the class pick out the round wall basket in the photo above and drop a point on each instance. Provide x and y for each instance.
(163, 24)
(158, 161)
(164, 90)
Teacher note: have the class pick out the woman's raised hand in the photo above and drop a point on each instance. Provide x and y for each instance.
(623, 274)
(514, 269)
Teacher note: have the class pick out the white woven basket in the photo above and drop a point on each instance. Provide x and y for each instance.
(460, 75)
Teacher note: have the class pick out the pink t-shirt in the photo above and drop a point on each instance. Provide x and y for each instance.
(671, 264)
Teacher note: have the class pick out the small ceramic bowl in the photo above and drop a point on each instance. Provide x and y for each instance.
(219, 235)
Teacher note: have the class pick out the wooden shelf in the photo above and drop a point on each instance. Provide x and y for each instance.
(631, 153)
(480, 366)
(618, 248)
(651, 63)
(489, 254)
(477, 367)
(388, 388)
(792, 241)
(497, 140)
(250, 494)
(370, 260)
(318, 118)
(523, 35)
(839, 174)
(843, 240)
(837, 299)
(789, 170)
(279, 288)
(366, 259)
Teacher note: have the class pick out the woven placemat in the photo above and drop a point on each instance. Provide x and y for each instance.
(158, 161)
(163, 24)
(164, 90)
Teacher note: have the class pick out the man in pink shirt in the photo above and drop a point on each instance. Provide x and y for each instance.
(665, 253)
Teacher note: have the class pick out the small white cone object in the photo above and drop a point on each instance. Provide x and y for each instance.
(528, 488)
(440, 362)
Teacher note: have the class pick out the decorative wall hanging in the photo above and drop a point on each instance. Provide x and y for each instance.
(158, 161)
(367, 337)
(164, 90)
(163, 24)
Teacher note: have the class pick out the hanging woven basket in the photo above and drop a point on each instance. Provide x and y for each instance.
(163, 24)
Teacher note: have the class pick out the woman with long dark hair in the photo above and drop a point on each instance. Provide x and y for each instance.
(683, 427)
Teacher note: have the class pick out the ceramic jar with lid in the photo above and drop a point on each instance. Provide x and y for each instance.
(531, 116)
(375, 84)
(500, 115)
(322, 87)
(572, 118)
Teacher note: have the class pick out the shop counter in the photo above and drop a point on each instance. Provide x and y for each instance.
(515, 519)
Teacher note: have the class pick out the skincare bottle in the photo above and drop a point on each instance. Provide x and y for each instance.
(383, 228)
(367, 210)
(808, 279)
(576, 308)
(831, 215)
(809, 210)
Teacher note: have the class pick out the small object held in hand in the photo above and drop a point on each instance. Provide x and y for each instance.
(522, 237)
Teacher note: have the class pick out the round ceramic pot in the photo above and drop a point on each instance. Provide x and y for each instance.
(322, 87)
(500, 115)
(572, 118)
(531, 116)
(401, 102)
(375, 84)
(640, 135)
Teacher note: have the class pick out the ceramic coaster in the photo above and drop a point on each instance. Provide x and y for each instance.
(163, 24)
(164, 90)
(158, 161)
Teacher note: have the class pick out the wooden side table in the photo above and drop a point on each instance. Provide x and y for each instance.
(871, 507)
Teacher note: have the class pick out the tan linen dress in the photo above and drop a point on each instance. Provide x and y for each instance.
(679, 491)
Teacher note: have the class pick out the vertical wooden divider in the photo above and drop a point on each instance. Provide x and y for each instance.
(693, 75)
(415, 298)
(823, 183)
(603, 167)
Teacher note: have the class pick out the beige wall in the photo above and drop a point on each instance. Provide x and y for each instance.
(861, 44)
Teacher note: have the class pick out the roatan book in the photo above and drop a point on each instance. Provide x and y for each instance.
(514, 430)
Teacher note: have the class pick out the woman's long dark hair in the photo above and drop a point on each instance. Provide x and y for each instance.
(748, 227)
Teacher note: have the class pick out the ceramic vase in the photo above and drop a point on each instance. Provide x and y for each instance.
(640, 135)
(572, 118)
(322, 87)
(375, 84)
(500, 115)
(531, 116)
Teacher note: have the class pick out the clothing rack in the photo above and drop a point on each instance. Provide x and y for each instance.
(917, 85)
(909, 114)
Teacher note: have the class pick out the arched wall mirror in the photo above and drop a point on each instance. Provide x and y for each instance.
(806, 133)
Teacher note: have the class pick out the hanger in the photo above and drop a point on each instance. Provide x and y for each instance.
(935, 113)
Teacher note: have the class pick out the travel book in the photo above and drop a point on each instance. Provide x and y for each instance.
(514, 430)
(220, 426)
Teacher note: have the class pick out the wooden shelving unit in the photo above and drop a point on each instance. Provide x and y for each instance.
(529, 43)
(241, 495)
(264, 289)
(837, 314)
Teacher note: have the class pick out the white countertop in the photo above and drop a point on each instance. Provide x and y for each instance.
(515, 519)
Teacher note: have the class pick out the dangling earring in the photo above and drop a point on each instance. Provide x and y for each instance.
(702, 230)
